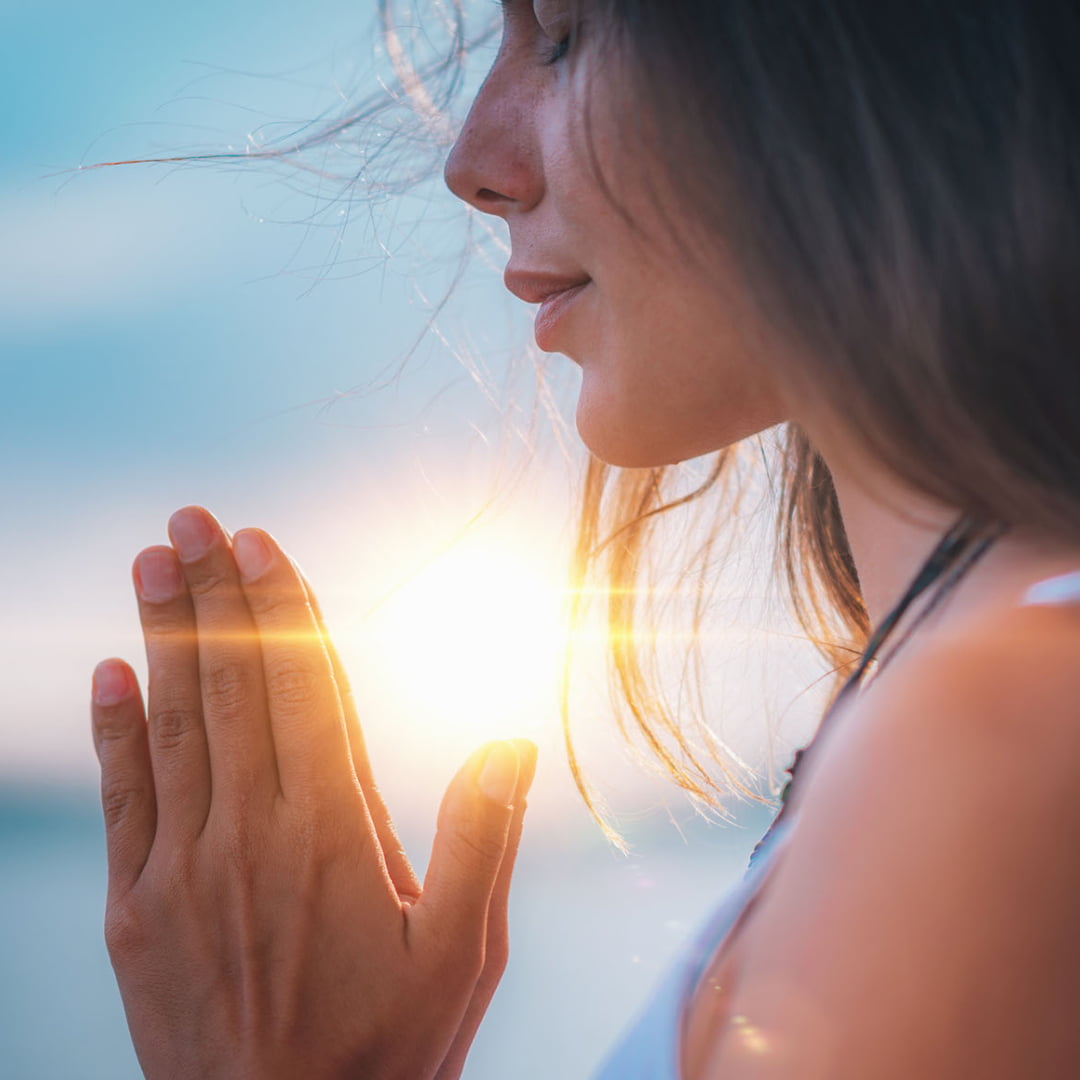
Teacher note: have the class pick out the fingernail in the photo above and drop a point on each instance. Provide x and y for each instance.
(157, 576)
(253, 554)
(191, 533)
(527, 753)
(111, 682)
(499, 773)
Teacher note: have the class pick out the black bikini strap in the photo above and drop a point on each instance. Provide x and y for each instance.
(947, 554)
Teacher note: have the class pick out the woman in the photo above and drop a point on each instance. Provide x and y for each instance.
(859, 220)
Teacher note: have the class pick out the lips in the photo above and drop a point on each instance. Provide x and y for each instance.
(555, 293)
(552, 312)
(535, 287)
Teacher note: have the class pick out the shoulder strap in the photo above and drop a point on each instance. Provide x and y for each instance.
(958, 549)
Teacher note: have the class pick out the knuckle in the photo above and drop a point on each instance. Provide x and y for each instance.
(112, 725)
(172, 728)
(125, 930)
(266, 600)
(471, 847)
(118, 800)
(490, 977)
(226, 689)
(496, 957)
(168, 622)
(206, 580)
(292, 683)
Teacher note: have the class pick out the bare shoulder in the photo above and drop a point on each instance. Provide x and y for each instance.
(922, 921)
(1012, 675)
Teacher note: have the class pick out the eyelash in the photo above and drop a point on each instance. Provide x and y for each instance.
(558, 51)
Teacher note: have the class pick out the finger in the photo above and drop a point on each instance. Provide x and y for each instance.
(397, 862)
(127, 782)
(303, 700)
(498, 931)
(497, 943)
(233, 696)
(177, 737)
(470, 842)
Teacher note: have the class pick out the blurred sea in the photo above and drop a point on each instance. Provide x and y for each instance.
(592, 931)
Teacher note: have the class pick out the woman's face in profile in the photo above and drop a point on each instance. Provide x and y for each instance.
(671, 358)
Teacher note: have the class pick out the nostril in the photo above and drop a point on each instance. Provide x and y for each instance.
(491, 200)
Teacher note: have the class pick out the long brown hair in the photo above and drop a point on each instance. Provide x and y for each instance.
(619, 511)
(899, 185)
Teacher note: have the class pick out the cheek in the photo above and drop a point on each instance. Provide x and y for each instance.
(659, 388)
(670, 367)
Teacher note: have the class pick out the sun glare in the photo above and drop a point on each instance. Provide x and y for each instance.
(470, 645)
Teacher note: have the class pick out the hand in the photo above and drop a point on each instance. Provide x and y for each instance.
(262, 918)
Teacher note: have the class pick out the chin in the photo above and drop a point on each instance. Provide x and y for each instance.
(641, 441)
(625, 445)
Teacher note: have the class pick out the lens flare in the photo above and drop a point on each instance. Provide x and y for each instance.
(471, 643)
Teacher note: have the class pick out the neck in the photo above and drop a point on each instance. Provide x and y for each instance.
(890, 529)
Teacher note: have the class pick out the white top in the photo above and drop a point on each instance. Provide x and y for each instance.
(649, 1049)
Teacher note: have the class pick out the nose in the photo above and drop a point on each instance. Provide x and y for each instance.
(495, 164)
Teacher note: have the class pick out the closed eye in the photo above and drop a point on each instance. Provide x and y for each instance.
(553, 19)
(550, 19)
(558, 50)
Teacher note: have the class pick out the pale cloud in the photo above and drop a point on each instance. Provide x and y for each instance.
(108, 243)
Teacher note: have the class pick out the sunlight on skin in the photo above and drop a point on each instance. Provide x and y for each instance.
(751, 1037)
(805, 1045)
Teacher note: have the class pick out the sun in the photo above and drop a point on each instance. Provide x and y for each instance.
(469, 647)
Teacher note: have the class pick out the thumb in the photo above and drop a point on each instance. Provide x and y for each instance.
(470, 841)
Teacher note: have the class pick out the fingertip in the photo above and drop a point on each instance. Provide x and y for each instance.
(527, 755)
(156, 574)
(527, 750)
(113, 682)
(498, 775)
(192, 508)
(254, 553)
(192, 532)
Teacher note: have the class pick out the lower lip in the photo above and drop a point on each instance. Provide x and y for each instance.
(551, 313)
